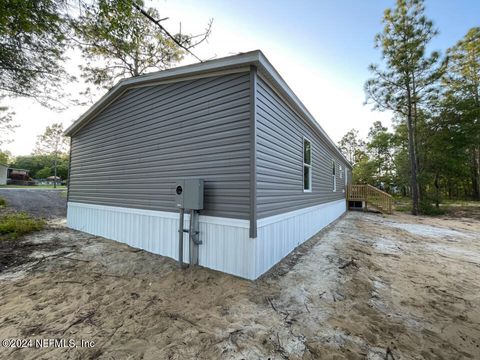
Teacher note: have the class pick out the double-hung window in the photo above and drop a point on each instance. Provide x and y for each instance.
(307, 165)
(340, 175)
(334, 176)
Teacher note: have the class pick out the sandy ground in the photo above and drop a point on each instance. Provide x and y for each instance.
(368, 287)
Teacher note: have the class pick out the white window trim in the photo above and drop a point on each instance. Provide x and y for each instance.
(341, 173)
(334, 176)
(308, 165)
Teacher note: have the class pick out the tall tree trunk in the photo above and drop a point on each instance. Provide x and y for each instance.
(55, 173)
(412, 154)
(476, 173)
(413, 168)
(476, 147)
(437, 191)
(414, 99)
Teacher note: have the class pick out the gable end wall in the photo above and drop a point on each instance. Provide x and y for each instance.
(133, 151)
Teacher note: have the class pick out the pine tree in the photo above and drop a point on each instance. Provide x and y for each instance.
(462, 98)
(351, 146)
(120, 39)
(407, 83)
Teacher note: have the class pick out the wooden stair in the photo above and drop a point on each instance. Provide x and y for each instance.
(371, 197)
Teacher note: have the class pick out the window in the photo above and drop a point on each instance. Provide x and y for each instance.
(307, 165)
(334, 177)
(340, 175)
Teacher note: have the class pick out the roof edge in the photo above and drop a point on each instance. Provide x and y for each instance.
(229, 62)
(255, 57)
(281, 84)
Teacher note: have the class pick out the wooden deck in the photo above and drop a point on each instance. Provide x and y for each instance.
(371, 197)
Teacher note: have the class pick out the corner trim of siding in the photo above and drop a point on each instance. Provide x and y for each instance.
(253, 152)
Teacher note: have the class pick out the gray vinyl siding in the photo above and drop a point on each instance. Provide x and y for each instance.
(280, 133)
(132, 152)
(3, 174)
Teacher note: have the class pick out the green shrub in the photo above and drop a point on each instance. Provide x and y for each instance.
(427, 208)
(3, 202)
(17, 224)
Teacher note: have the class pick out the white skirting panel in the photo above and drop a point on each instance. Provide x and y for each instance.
(226, 244)
(278, 235)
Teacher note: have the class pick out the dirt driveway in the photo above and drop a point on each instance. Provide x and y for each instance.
(45, 203)
(367, 286)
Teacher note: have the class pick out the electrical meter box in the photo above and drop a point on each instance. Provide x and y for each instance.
(189, 194)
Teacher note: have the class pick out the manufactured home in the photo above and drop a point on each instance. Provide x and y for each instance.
(239, 172)
(3, 174)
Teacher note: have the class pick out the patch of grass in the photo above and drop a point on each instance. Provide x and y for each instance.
(3, 202)
(13, 225)
(449, 207)
(463, 209)
(403, 208)
(403, 204)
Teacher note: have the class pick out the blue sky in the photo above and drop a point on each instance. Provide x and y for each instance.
(339, 34)
(321, 48)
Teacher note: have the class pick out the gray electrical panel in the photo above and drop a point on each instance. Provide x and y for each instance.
(189, 194)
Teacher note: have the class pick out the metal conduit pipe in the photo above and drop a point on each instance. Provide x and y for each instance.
(191, 245)
(180, 238)
(193, 237)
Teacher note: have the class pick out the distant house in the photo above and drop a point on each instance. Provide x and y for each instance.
(3, 174)
(272, 176)
(19, 177)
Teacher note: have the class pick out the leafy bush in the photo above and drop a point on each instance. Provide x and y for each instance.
(16, 224)
(37, 163)
(427, 208)
(3, 202)
(44, 173)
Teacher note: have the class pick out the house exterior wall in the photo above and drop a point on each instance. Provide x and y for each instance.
(280, 134)
(235, 132)
(133, 151)
(3, 174)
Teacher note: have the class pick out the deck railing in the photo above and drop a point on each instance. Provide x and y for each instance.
(371, 196)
